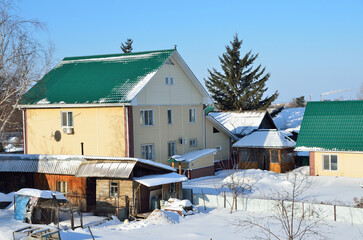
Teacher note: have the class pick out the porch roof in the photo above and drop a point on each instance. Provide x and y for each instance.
(160, 179)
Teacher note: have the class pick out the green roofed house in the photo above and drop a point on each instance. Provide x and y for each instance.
(145, 105)
(333, 134)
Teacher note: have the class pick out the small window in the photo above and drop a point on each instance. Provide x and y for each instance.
(147, 151)
(169, 80)
(170, 116)
(193, 142)
(330, 162)
(62, 186)
(172, 187)
(147, 117)
(192, 115)
(171, 148)
(67, 119)
(113, 189)
(215, 130)
(219, 148)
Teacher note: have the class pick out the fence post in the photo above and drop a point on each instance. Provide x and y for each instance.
(335, 213)
(303, 211)
(225, 200)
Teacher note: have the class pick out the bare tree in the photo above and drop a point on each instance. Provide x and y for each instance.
(295, 221)
(23, 60)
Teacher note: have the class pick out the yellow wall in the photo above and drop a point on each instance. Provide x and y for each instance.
(161, 132)
(183, 91)
(100, 129)
(349, 164)
(217, 139)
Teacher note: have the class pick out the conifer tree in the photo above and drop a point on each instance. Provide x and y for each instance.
(239, 85)
(127, 47)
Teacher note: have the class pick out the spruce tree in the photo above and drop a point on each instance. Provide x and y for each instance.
(127, 47)
(239, 85)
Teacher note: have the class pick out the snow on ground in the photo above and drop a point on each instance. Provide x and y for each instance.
(324, 189)
(208, 224)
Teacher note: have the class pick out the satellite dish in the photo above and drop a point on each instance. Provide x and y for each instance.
(57, 136)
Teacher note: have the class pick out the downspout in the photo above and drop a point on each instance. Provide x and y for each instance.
(127, 150)
(24, 132)
(204, 131)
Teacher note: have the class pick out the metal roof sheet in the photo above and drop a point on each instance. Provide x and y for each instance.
(115, 169)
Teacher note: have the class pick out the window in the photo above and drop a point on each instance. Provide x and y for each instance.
(193, 142)
(330, 162)
(147, 151)
(171, 148)
(67, 119)
(192, 115)
(274, 156)
(172, 187)
(170, 116)
(147, 117)
(62, 186)
(169, 80)
(215, 130)
(113, 189)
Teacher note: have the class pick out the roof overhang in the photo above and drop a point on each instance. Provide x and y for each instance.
(160, 179)
(222, 128)
(317, 149)
(71, 105)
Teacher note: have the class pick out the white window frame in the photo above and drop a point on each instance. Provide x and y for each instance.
(114, 193)
(323, 165)
(192, 115)
(67, 123)
(193, 142)
(169, 81)
(144, 151)
(143, 114)
(171, 145)
(171, 116)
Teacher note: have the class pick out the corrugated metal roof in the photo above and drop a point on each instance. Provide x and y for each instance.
(50, 166)
(117, 169)
(332, 126)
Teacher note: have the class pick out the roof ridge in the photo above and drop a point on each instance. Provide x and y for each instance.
(114, 55)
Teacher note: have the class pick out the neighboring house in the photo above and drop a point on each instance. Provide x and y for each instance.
(289, 120)
(243, 123)
(220, 138)
(145, 105)
(266, 149)
(120, 186)
(333, 134)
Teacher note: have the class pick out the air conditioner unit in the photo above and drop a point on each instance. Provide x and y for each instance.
(219, 148)
(183, 140)
(68, 130)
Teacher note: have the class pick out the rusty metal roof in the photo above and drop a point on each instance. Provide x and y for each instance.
(51, 164)
(116, 169)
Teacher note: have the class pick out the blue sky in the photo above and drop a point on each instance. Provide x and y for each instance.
(309, 47)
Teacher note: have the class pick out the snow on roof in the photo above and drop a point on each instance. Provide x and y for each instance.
(159, 179)
(40, 193)
(267, 138)
(192, 156)
(239, 123)
(289, 118)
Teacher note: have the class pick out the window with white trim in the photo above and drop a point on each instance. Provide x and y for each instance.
(170, 116)
(192, 115)
(147, 117)
(67, 119)
(193, 142)
(169, 80)
(62, 186)
(330, 162)
(147, 151)
(171, 148)
(113, 189)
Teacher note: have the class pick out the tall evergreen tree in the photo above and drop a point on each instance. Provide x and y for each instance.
(127, 47)
(239, 85)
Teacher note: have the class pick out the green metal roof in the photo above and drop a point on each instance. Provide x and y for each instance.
(115, 78)
(332, 126)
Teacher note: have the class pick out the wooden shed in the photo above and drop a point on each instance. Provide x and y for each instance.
(266, 149)
(127, 186)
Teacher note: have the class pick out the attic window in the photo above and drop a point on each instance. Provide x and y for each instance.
(169, 80)
(169, 62)
(215, 130)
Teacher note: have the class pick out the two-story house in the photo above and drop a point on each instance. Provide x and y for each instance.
(145, 105)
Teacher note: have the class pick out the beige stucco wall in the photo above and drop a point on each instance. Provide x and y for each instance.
(161, 132)
(100, 129)
(157, 92)
(349, 164)
(217, 139)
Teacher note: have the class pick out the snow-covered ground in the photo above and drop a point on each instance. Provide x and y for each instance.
(324, 189)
